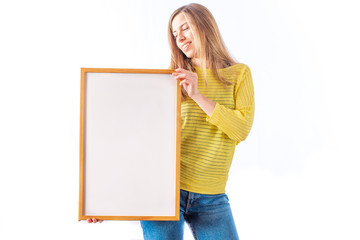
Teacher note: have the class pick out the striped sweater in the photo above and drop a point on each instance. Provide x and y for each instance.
(208, 143)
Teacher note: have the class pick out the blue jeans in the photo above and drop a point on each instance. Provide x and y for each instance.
(208, 216)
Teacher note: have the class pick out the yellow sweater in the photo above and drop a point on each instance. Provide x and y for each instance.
(208, 143)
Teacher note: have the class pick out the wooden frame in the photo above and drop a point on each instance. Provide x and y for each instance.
(119, 110)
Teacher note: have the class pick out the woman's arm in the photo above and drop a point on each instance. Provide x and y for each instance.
(190, 83)
(235, 123)
(206, 104)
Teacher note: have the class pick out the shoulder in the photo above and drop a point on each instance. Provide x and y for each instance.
(243, 75)
(237, 71)
(236, 67)
(243, 70)
(242, 67)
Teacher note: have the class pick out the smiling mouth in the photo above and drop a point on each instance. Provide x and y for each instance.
(186, 46)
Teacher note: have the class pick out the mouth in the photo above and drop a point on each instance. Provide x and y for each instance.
(185, 46)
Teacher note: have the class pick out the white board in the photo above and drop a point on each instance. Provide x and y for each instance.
(130, 145)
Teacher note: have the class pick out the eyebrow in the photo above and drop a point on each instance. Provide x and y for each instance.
(180, 27)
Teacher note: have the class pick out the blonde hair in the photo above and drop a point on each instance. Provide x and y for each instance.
(209, 44)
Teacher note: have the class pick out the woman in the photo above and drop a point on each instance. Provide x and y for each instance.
(217, 112)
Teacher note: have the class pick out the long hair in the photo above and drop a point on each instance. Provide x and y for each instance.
(209, 44)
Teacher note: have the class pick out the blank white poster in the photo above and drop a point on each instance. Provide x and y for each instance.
(129, 144)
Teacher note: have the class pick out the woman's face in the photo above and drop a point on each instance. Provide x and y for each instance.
(183, 35)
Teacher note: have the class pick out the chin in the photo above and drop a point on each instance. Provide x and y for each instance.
(189, 55)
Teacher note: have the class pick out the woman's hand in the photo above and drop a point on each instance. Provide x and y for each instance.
(94, 220)
(189, 80)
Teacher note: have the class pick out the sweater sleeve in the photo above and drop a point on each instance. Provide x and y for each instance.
(236, 123)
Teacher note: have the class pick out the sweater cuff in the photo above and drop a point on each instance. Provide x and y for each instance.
(216, 115)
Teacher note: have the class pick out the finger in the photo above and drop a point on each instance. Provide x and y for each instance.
(177, 74)
(94, 220)
(179, 70)
(180, 76)
(100, 221)
(89, 220)
(184, 82)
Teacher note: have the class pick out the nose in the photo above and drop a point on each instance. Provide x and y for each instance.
(181, 37)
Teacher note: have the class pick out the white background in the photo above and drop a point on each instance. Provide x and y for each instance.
(295, 177)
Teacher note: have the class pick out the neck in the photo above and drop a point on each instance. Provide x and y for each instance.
(195, 62)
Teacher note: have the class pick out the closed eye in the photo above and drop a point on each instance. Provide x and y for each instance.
(184, 29)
